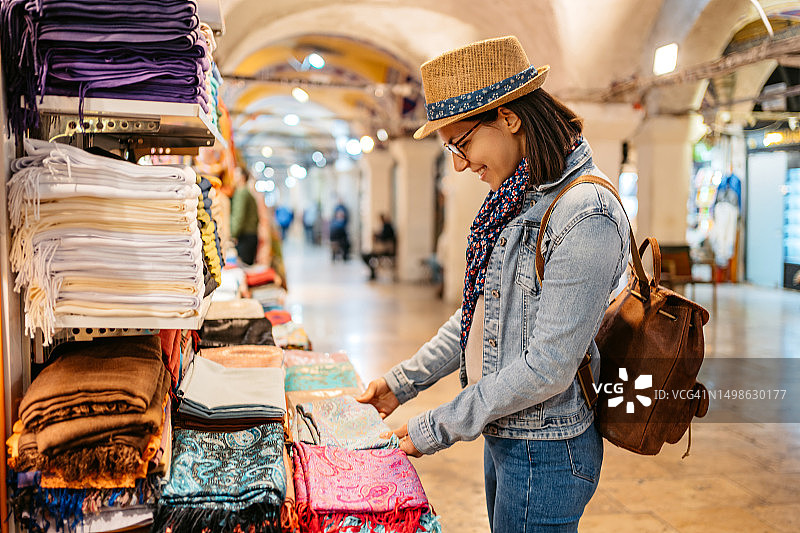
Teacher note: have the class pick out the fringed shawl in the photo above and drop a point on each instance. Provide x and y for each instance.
(343, 422)
(223, 481)
(376, 487)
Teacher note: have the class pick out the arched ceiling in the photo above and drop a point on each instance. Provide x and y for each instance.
(373, 49)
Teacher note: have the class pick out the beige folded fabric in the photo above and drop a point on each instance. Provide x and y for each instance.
(239, 308)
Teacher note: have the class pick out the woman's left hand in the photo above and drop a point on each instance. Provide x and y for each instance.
(405, 442)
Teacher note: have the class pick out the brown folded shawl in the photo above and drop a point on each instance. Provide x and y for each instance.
(86, 447)
(105, 376)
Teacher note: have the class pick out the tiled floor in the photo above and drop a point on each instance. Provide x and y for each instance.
(739, 477)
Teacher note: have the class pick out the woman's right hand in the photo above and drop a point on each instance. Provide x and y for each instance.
(380, 396)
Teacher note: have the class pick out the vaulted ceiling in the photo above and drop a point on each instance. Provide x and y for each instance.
(373, 48)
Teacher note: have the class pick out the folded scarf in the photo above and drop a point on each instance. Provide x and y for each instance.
(236, 331)
(115, 462)
(278, 316)
(344, 422)
(100, 477)
(291, 336)
(321, 376)
(230, 309)
(245, 356)
(377, 487)
(140, 253)
(130, 428)
(298, 397)
(269, 296)
(104, 376)
(210, 390)
(224, 482)
(260, 276)
(226, 424)
(39, 509)
(303, 357)
(171, 352)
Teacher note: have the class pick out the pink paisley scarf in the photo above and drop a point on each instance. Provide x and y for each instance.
(379, 487)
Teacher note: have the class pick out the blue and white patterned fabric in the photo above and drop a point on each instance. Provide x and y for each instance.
(222, 481)
(475, 99)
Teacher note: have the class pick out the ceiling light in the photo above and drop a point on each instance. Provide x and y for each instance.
(353, 147)
(270, 186)
(266, 152)
(666, 59)
(773, 137)
(269, 172)
(317, 156)
(383, 135)
(297, 171)
(291, 119)
(300, 95)
(261, 185)
(290, 182)
(367, 144)
(259, 166)
(321, 163)
(316, 61)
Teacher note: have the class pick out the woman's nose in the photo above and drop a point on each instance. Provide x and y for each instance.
(459, 163)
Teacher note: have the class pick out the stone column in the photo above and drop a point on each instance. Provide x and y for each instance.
(415, 202)
(664, 162)
(606, 127)
(463, 195)
(376, 193)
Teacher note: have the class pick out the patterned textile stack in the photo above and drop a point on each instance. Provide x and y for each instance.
(317, 376)
(301, 390)
(95, 419)
(343, 422)
(41, 510)
(96, 236)
(128, 49)
(361, 491)
(224, 482)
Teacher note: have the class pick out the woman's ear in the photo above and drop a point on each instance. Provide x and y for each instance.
(509, 119)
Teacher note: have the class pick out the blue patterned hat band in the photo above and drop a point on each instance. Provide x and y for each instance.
(470, 101)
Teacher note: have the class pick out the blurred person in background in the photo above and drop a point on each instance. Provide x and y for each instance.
(244, 217)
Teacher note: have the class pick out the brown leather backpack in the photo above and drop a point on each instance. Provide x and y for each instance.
(647, 330)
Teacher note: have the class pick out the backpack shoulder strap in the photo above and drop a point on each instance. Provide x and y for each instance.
(644, 285)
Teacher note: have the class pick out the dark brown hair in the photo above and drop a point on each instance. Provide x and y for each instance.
(550, 130)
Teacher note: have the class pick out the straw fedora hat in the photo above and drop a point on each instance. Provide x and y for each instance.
(473, 79)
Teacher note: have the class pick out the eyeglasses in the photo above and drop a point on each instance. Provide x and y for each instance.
(453, 146)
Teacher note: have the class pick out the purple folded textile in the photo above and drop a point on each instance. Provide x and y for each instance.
(117, 9)
(129, 49)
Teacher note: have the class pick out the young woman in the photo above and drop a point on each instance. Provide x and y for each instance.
(516, 342)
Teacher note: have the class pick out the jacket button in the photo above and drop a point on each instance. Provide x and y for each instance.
(496, 293)
(501, 241)
(492, 343)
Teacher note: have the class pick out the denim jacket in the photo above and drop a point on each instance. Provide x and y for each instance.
(534, 336)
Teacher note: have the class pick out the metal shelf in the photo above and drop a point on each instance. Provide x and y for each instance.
(142, 123)
(146, 322)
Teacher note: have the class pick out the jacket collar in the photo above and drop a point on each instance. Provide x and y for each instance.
(577, 159)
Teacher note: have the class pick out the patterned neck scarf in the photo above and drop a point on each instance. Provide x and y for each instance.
(499, 208)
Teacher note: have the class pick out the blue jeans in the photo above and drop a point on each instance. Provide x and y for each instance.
(540, 485)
